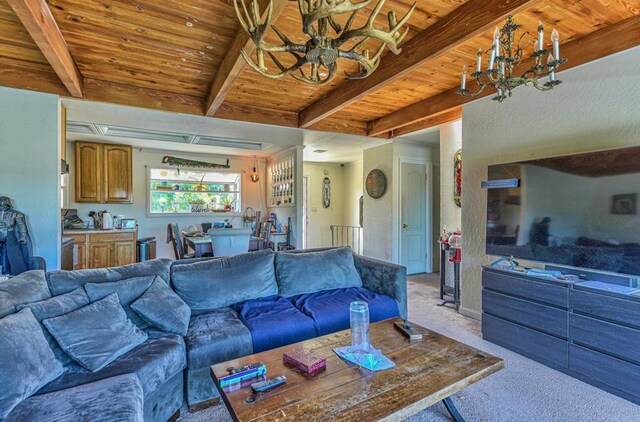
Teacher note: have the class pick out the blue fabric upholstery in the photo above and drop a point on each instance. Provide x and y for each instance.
(200, 386)
(162, 308)
(56, 306)
(274, 322)
(330, 309)
(97, 334)
(110, 400)
(30, 286)
(155, 361)
(301, 273)
(384, 278)
(161, 404)
(26, 361)
(215, 337)
(65, 281)
(219, 282)
(128, 291)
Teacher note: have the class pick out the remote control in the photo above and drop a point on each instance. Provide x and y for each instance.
(261, 386)
(243, 373)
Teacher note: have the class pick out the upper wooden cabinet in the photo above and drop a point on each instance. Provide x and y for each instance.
(103, 173)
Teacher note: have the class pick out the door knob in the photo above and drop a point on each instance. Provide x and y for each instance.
(404, 226)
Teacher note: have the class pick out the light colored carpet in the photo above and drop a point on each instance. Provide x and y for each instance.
(524, 391)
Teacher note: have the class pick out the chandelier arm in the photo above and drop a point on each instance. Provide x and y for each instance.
(367, 65)
(332, 70)
(284, 71)
(314, 12)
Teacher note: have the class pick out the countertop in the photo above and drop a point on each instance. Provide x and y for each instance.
(93, 231)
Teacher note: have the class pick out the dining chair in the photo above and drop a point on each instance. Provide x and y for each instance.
(265, 235)
(286, 245)
(175, 238)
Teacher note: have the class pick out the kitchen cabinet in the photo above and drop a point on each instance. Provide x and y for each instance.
(103, 173)
(103, 249)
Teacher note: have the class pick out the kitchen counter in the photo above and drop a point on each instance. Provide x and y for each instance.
(94, 231)
(103, 248)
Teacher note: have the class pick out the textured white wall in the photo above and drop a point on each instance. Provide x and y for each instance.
(596, 108)
(354, 187)
(450, 143)
(30, 165)
(378, 213)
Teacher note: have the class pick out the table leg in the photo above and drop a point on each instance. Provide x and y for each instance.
(451, 408)
(197, 250)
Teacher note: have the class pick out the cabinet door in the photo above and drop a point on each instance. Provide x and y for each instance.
(124, 253)
(88, 172)
(100, 255)
(117, 173)
(82, 256)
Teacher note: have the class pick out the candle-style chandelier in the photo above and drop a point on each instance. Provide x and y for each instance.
(503, 73)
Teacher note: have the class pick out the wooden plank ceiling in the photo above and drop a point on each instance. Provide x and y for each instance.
(183, 56)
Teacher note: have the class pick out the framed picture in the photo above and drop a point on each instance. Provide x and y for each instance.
(625, 204)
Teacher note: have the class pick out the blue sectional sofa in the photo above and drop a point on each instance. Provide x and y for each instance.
(238, 306)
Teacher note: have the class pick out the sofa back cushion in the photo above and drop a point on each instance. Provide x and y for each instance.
(129, 290)
(220, 282)
(96, 335)
(65, 281)
(26, 361)
(300, 273)
(56, 306)
(30, 286)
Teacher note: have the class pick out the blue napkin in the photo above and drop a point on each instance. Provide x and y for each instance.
(371, 359)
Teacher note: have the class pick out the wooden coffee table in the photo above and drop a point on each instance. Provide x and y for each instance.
(426, 372)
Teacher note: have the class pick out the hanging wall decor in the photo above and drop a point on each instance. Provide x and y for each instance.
(457, 178)
(376, 184)
(184, 162)
(326, 192)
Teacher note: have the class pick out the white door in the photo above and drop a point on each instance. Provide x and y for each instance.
(413, 232)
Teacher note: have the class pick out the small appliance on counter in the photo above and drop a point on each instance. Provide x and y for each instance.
(71, 221)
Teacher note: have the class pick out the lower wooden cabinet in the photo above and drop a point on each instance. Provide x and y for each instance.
(103, 250)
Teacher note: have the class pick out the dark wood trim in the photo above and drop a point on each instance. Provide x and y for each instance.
(437, 120)
(205, 404)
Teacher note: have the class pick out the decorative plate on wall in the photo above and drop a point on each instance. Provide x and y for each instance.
(376, 184)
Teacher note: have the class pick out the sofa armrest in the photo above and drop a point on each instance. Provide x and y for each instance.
(384, 278)
(38, 263)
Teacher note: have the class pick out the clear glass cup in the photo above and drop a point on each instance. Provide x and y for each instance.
(359, 319)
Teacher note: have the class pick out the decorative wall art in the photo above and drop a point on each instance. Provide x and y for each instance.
(457, 178)
(376, 184)
(625, 204)
(326, 192)
(361, 211)
(184, 162)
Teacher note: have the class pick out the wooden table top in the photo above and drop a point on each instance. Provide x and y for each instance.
(426, 372)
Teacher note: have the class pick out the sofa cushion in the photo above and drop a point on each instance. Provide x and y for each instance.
(96, 334)
(113, 399)
(274, 322)
(220, 282)
(216, 336)
(154, 362)
(129, 290)
(311, 272)
(26, 361)
(330, 309)
(56, 306)
(162, 307)
(65, 281)
(27, 287)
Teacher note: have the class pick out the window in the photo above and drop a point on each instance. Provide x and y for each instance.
(181, 191)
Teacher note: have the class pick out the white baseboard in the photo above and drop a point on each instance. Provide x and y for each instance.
(471, 313)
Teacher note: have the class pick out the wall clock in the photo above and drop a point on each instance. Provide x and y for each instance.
(376, 183)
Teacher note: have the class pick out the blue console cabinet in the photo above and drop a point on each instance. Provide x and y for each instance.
(588, 333)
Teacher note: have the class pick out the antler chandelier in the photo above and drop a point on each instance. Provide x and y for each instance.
(504, 58)
(324, 47)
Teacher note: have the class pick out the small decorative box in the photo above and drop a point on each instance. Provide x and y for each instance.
(305, 360)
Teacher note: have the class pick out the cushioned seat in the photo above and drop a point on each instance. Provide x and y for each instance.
(330, 309)
(117, 398)
(154, 362)
(274, 322)
(216, 336)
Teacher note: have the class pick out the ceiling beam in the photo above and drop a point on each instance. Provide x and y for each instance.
(601, 43)
(38, 20)
(233, 63)
(437, 120)
(462, 24)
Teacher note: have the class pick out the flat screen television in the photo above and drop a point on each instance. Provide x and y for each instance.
(577, 210)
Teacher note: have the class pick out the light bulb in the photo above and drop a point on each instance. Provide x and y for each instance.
(254, 176)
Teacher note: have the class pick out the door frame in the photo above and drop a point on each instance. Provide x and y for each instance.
(305, 212)
(428, 218)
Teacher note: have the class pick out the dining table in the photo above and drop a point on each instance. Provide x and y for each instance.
(201, 243)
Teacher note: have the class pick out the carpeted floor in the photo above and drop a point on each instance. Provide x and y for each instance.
(524, 391)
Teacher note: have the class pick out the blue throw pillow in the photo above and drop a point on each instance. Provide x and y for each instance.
(128, 291)
(220, 282)
(310, 272)
(30, 286)
(56, 306)
(26, 361)
(96, 335)
(162, 307)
